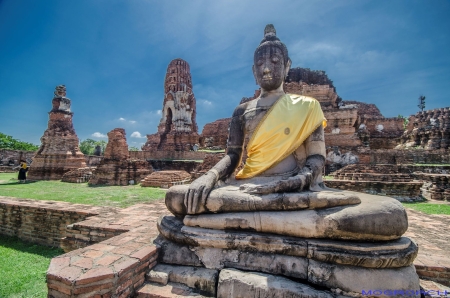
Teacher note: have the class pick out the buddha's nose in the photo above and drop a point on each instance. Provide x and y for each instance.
(266, 70)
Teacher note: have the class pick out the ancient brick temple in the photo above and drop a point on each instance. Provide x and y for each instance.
(177, 130)
(59, 151)
(117, 168)
(429, 130)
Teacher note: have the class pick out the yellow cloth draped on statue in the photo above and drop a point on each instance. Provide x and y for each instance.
(290, 121)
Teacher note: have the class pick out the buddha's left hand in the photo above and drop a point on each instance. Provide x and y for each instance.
(295, 183)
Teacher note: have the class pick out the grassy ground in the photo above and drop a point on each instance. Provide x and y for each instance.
(430, 208)
(23, 267)
(81, 193)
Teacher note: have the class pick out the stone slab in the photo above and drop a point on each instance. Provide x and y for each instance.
(201, 279)
(236, 283)
(388, 254)
(353, 280)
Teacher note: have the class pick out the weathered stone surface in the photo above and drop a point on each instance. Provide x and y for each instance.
(13, 157)
(166, 179)
(116, 168)
(390, 254)
(202, 280)
(59, 151)
(174, 253)
(376, 218)
(177, 130)
(436, 186)
(352, 280)
(216, 258)
(236, 283)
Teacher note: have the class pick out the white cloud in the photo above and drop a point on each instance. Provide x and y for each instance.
(158, 112)
(122, 119)
(205, 102)
(137, 134)
(98, 135)
(132, 121)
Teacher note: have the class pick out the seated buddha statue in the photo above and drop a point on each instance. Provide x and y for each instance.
(279, 138)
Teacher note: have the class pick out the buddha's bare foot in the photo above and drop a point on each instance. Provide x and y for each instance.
(195, 198)
(296, 183)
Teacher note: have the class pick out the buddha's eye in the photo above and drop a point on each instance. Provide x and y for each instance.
(275, 59)
(260, 62)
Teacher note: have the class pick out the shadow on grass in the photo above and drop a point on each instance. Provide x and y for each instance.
(16, 182)
(15, 243)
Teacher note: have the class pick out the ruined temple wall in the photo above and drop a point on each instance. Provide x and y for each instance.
(215, 134)
(341, 121)
(392, 126)
(173, 155)
(14, 156)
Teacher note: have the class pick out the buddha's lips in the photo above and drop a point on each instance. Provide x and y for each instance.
(267, 78)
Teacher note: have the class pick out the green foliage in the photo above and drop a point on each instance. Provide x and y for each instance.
(8, 142)
(405, 121)
(429, 208)
(132, 148)
(88, 146)
(78, 193)
(23, 267)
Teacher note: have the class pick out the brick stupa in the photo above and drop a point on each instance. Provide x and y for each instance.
(177, 130)
(59, 151)
(117, 168)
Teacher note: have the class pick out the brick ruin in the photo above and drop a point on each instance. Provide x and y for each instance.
(428, 130)
(166, 179)
(117, 168)
(215, 135)
(177, 130)
(59, 151)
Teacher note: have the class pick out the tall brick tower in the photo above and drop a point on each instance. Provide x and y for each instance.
(177, 130)
(59, 151)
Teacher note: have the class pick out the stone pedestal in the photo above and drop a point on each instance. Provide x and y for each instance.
(333, 249)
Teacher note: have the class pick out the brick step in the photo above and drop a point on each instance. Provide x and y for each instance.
(171, 290)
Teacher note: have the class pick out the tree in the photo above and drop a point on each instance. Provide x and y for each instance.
(132, 148)
(8, 142)
(88, 146)
(405, 120)
(421, 104)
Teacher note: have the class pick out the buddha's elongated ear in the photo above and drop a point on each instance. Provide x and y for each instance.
(288, 66)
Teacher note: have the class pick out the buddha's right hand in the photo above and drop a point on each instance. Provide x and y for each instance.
(198, 192)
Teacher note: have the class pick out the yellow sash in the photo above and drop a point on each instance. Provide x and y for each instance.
(283, 129)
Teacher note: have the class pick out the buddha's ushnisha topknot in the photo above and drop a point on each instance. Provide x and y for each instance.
(271, 39)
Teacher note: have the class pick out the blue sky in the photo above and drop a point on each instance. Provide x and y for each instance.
(112, 56)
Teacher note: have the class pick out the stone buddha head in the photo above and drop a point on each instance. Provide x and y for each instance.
(271, 61)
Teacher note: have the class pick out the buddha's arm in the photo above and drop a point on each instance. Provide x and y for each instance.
(195, 198)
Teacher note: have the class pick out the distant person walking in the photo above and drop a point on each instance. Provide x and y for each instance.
(23, 172)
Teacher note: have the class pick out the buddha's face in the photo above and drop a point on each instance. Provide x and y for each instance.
(269, 68)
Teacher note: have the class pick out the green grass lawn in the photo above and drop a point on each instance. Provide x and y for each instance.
(81, 193)
(429, 208)
(23, 266)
